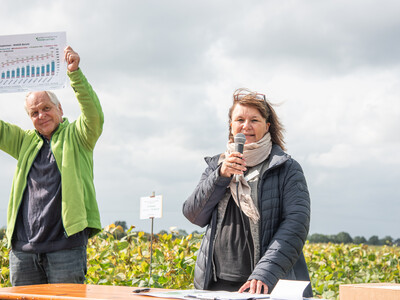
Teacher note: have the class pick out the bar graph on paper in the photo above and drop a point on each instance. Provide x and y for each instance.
(32, 62)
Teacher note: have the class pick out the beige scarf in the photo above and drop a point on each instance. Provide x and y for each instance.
(254, 154)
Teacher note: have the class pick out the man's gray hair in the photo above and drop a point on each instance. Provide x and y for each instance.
(52, 96)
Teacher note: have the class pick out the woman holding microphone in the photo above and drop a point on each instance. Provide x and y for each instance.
(255, 204)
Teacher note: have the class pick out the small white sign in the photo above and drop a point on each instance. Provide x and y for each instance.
(151, 207)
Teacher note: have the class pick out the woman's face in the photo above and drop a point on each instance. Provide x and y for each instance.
(249, 121)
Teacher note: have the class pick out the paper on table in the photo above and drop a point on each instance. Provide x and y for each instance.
(222, 295)
(289, 289)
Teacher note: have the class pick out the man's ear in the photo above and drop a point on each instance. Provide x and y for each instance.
(61, 110)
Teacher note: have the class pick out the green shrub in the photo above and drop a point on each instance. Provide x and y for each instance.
(116, 257)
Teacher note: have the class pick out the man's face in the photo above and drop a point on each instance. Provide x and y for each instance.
(45, 115)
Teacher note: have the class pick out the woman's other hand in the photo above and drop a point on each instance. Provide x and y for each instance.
(255, 287)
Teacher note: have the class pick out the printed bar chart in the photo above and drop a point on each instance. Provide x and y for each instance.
(20, 68)
(32, 62)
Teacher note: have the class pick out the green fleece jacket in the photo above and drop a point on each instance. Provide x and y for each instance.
(72, 145)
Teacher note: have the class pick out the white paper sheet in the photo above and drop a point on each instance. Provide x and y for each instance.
(289, 289)
(32, 62)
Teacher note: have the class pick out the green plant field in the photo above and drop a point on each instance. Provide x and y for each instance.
(331, 265)
(118, 258)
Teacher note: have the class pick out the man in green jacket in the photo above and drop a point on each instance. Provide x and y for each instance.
(53, 209)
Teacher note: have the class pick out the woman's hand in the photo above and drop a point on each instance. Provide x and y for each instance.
(233, 164)
(255, 287)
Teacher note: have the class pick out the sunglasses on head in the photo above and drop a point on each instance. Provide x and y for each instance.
(258, 96)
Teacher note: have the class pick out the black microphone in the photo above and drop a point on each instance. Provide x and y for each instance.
(240, 140)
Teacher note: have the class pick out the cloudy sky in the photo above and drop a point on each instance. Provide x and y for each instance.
(165, 72)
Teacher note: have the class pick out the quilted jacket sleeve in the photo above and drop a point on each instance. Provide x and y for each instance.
(209, 191)
(287, 242)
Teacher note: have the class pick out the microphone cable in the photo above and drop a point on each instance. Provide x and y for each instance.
(244, 228)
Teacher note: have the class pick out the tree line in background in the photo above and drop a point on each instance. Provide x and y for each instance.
(345, 238)
(340, 238)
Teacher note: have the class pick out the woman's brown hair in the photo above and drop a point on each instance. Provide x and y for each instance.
(246, 97)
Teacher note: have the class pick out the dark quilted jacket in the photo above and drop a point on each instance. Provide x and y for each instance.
(284, 224)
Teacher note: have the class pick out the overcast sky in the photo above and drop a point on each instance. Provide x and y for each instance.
(165, 72)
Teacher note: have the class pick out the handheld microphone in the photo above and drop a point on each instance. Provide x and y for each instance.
(240, 140)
